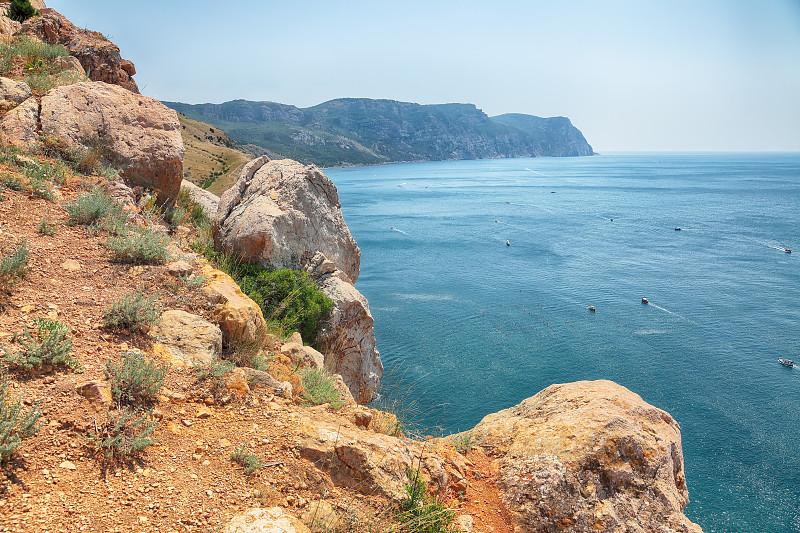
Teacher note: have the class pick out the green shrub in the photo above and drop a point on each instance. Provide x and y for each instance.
(124, 434)
(250, 462)
(88, 208)
(15, 425)
(320, 388)
(134, 379)
(420, 513)
(46, 227)
(133, 311)
(47, 346)
(287, 297)
(14, 265)
(21, 10)
(139, 246)
(197, 216)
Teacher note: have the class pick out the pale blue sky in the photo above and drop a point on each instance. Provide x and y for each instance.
(632, 75)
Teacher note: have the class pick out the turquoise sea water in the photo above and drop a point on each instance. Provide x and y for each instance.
(477, 326)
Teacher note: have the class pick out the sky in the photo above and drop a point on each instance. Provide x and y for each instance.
(632, 75)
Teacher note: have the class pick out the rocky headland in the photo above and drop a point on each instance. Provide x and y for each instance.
(578, 457)
(362, 131)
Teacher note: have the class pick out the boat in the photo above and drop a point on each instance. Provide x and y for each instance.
(787, 250)
(508, 243)
(591, 308)
(645, 301)
(677, 229)
(786, 362)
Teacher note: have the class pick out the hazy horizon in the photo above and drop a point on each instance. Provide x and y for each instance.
(720, 75)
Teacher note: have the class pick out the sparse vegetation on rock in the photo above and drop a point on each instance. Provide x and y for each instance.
(249, 461)
(126, 433)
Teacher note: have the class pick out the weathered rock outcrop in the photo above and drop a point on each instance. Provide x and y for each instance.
(138, 135)
(99, 57)
(185, 338)
(207, 200)
(18, 126)
(280, 214)
(239, 317)
(347, 334)
(374, 463)
(588, 456)
(256, 520)
(12, 93)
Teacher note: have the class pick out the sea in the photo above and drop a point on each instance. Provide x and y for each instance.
(480, 273)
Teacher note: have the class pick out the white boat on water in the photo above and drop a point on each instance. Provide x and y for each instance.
(786, 362)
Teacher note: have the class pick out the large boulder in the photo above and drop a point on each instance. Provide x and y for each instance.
(347, 334)
(256, 520)
(588, 456)
(18, 126)
(280, 214)
(185, 338)
(237, 315)
(207, 200)
(12, 93)
(98, 56)
(136, 134)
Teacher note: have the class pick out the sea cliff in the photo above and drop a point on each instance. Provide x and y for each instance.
(244, 449)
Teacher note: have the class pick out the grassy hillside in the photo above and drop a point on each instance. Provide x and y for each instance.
(210, 160)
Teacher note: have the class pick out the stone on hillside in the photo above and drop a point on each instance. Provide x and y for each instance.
(207, 200)
(98, 56)
(8, 27)
(140, 135)
(373, 463)
(320, 515)
(96, 391)
(344, 391)
(238, 316)
(19, 125)
(179, 268)
(280, 214)
(186, 338)
(121, 193)
(347, 335)
(70, 64)
(12, 93)
(588, 456)
(255, 520)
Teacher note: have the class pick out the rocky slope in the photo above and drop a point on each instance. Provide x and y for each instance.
(364, 131)
(588, 456)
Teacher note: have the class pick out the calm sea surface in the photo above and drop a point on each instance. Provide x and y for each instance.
(475, 326)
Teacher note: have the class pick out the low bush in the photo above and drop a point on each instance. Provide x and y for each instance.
(139, 246)
(250, 462)
(421, 513)
(213, 375)
(320, 388)
(134, 311)
(124, 434)
(11, 182)
(463, 443)
(16, 423)
(49, 345)
(289, 299)
(89, 209)
(134, 379)
(14, 265)
(46, 227)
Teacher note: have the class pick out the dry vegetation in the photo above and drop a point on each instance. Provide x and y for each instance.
(209, 162)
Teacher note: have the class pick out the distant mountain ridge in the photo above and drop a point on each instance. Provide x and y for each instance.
(363, 131)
